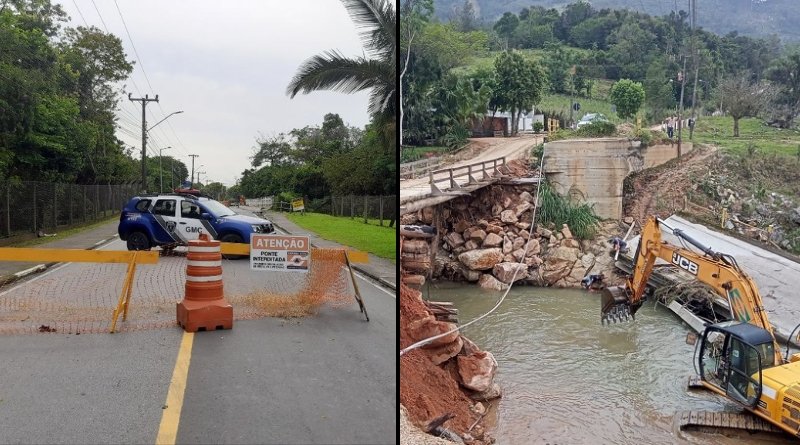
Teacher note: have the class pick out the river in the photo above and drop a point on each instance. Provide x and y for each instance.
(568, 380)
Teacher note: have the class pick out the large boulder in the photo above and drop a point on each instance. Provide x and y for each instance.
(470, 275)
(505, 271)
(508, 245)
(454, 239)
(569, 254)
(525, 196)
(522, 208)
(441, 354)
(487, 281)
(477, 235)
(534, 248)
(428, 327)
(554, 270)
(477, 370)
(492, 393)
(471, 245)
(492, 240)
(481, 259)
(494, 228)
(508, 216)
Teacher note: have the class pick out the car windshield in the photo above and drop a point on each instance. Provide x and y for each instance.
(217, 209)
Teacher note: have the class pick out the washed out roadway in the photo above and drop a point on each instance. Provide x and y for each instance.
(329, 378)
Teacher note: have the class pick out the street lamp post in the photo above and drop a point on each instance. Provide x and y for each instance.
(146, 130)
(198, 178)
(160, 170)
(198, 173)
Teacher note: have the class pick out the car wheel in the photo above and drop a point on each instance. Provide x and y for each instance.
(138, 241)
(232, 238)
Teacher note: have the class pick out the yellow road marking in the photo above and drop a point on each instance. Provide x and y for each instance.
(171, 416)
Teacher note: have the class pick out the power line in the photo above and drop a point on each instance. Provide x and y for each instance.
(101, 17)
(130, 39)
(80, 13)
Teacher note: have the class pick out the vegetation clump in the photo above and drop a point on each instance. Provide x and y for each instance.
(556, 209)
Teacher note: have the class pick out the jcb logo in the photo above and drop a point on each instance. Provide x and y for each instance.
(684, 264)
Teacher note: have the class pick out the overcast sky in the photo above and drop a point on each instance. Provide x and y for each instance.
(226, 65)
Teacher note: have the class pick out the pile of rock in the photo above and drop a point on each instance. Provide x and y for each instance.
(476, 368)
(499, 247)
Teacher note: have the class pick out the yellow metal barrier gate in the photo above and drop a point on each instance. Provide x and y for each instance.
(88, 256)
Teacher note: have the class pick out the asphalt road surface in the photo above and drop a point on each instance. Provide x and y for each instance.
(328, 378)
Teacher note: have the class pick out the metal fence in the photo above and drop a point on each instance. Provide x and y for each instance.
(28, 207)
(365, 207)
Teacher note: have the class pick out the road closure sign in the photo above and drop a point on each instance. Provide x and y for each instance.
(280, 253)
(297, 205)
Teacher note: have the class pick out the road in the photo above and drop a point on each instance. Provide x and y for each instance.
(511, 148)
(328, 378)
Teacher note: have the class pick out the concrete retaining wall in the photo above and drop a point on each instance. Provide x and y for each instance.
(594, 169)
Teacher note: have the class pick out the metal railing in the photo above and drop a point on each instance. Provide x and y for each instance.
(29, 207)
(478, 172)
(411, 170)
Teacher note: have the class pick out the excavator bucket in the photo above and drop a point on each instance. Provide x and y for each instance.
(615, 305)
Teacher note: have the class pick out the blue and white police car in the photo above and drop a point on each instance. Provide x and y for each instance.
(172, 219)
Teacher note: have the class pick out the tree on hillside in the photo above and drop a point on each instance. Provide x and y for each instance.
(413, 17)
(375, 71)
(519, 85)
(464, 17)
(632, 49)
(506, 26)
(628, 96)
(785, 75)
(273, 150)
(742, 97)
(658, 89)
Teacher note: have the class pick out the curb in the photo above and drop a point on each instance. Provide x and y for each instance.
(8, 279)
(372, 276)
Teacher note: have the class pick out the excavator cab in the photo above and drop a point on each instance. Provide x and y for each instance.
(731, 358)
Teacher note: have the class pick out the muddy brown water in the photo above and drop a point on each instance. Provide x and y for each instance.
(568, 380)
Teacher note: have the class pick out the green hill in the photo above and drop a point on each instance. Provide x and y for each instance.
(757, 18)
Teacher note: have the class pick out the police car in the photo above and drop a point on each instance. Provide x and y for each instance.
(173, 219)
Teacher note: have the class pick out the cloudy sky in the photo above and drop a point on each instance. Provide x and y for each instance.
(226, 65)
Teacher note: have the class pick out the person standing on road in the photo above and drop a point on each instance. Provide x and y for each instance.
(670, 127)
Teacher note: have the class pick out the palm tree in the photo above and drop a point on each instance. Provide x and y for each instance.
(376, 71)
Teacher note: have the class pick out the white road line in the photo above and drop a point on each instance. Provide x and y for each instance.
(369, 280)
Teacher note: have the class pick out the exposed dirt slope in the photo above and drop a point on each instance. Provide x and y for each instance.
(661, 191)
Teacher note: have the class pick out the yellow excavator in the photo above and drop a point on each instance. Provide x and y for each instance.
(740, 358)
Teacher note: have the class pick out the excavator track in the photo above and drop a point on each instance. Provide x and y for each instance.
(710, 421)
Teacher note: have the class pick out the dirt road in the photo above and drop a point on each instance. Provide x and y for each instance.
(479, 149)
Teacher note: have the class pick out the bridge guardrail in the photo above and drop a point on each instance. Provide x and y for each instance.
(485, 169)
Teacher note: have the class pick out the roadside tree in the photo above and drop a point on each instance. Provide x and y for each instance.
(628, 96)
(785, 76)
(519, 85)
(743, 97)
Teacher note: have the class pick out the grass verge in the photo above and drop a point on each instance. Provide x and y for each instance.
(718, 130)
(377, 240)
(61, 234)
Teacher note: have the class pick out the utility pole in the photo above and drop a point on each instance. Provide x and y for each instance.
(144, 100)
(198, 178)
(680, 105)
(192, 180)
(172, 175)
(696, 60)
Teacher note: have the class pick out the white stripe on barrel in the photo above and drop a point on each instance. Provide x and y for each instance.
(203, 279)
(204, 263)
(203, 249)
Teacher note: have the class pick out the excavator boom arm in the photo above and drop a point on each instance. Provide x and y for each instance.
(717, 270)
